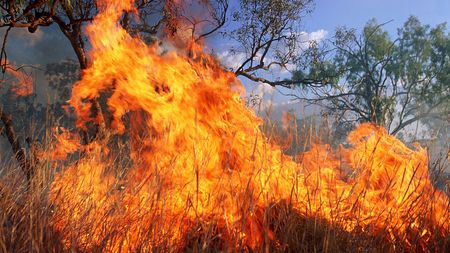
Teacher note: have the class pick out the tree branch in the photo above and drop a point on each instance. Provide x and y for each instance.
(19, 152)
(284, 83)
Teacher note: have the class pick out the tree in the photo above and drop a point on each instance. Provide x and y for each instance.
(70, 16)
(20, 86)
(268, 38)
(390, 82)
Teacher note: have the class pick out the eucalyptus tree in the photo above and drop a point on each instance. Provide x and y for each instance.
(390, 81)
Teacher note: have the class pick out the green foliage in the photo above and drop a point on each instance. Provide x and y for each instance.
(389, 81)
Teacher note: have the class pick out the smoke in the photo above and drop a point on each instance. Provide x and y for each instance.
(46, 45)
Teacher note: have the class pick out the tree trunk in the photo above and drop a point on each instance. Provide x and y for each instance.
(76, 41)
(19, 152)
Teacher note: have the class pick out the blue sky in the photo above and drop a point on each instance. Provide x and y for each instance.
(329, 14)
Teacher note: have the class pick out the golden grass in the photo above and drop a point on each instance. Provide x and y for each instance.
(26, 222)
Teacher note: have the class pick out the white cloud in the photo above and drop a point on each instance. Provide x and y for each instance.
(231, 60)
(263, 89)
(306, 38)
(318, 35)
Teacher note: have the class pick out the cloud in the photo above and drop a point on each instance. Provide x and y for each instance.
(46, 44)
(231, 60)
(306, 38)
(318, 35)
(263, 89)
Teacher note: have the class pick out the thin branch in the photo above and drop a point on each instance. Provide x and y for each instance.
(4, 61)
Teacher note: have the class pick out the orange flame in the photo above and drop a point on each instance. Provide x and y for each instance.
(197, 153)
(22, 83)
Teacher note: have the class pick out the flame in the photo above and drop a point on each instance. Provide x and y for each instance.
(22, 83)
(65, 143)
(196, 153)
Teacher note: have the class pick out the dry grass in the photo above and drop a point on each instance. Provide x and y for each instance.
(26, 227)
(26, 223)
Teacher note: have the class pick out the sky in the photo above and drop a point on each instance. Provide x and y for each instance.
(329, 14)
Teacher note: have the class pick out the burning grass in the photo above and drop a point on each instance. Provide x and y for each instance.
(28, 219)
(382, 198)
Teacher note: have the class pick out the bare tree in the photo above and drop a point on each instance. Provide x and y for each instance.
(268, 37)
(70, 16)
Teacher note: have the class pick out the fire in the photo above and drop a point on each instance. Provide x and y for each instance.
(196, 153)
(21, 83)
